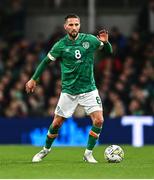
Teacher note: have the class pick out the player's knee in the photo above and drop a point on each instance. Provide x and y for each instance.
(57, 122)
(99, 122)
(56, 125)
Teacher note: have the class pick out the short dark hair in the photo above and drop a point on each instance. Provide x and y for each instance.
(71, 16)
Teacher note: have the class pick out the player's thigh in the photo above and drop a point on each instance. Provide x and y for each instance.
(91, 102)
(66, 105)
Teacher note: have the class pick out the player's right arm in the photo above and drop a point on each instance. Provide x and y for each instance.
(52, 55)
(31, 84)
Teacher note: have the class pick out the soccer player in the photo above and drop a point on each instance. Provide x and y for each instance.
(78, 85)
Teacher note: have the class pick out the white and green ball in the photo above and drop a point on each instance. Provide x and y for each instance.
(114, 154)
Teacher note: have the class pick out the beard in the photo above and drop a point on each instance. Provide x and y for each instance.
(73, 34)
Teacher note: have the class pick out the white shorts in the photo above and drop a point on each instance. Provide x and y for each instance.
(67, 103)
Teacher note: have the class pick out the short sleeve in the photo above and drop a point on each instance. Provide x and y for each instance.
(55, 51)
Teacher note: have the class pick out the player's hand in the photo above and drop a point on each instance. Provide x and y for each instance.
(30, 86)
(103, 35)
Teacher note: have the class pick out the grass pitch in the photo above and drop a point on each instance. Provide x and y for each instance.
(66, 163)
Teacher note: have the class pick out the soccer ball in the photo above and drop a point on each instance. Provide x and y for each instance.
(114, 154)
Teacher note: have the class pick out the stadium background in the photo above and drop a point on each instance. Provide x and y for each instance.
(125, 80)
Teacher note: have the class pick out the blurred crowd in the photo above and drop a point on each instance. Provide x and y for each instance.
(125, 79)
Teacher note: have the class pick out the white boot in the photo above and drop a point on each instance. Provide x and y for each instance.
(39, 156)
(88, 157)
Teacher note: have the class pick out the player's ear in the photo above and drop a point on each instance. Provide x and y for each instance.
(65, 26)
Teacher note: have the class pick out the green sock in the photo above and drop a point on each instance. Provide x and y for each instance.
(51, 136)
(93, 136)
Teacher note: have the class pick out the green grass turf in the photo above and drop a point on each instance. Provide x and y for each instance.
(66, 162)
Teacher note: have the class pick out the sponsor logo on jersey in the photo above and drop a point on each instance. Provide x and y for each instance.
(78, 61)
(85, 45)
(67, 50)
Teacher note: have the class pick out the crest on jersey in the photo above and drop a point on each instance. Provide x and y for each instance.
(85, 45)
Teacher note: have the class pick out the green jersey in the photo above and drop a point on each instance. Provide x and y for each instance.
(77, 62)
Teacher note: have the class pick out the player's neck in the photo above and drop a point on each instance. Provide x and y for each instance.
(73, 39)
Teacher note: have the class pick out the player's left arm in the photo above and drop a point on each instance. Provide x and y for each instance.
(103, 36)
